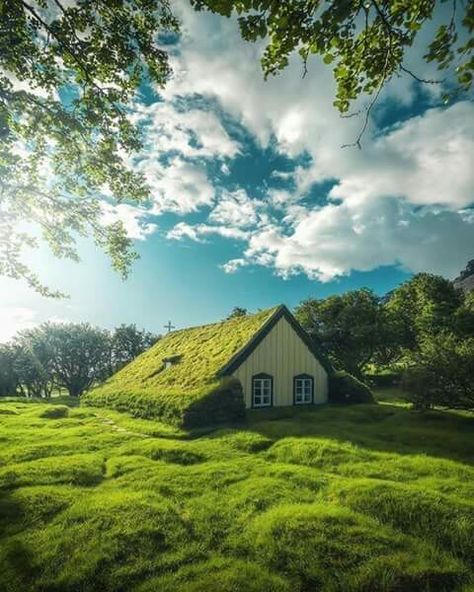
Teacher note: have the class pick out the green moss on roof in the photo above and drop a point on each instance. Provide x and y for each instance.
(201, 351)
(198, 354)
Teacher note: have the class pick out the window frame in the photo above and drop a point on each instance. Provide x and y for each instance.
(260, 377)
(301, 377)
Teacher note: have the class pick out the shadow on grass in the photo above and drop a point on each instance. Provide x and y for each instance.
(383, 428)
(16, 558)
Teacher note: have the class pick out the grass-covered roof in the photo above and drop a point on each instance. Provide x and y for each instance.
(197, 354)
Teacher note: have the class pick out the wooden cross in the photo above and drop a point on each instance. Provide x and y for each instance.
(169, 326)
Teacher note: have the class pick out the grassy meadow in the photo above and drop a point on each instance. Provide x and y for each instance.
(357, 498)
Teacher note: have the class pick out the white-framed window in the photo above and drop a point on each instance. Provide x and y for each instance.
(303, 394)
(262, 387)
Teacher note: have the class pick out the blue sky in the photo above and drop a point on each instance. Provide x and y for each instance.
(254, 202)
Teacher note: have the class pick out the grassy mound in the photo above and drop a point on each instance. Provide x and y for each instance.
(327, 547)
(187, 392)
(336, 499)
(443, 519)
(219, 575)
(56, 412)
(79, 469)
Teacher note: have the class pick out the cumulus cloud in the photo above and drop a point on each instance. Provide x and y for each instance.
(192, 133)
(402, 200)
(234, 264)
(132, 217)
(178, 186)
(330, 241)
(178, 142)
(199, 232)
(236, 208)
(426, 160)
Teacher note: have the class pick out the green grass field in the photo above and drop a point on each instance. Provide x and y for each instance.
(332, 499)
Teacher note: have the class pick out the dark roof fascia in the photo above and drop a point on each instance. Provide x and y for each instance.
(282, 311)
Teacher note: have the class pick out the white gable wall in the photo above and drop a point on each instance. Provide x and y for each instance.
(283, 355)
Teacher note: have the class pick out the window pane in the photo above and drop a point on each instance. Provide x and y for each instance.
(303, 390)
(262, 391)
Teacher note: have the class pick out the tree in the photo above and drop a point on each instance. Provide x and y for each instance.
(128, 342)
(33, 362)
(441, 372)
(464, 317)
(68, 73)
(391, 337)
(366, 41)
(81, 355)
(8, 376)
(345, 326)
(238, 311)
(425, 305)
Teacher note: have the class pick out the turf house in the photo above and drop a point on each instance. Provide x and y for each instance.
(212, 373)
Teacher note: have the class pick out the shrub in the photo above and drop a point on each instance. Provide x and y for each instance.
(441, 373)
(345, 388)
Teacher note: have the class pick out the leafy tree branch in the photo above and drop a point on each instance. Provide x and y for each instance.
(68, 74)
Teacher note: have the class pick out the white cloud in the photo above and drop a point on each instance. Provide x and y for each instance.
(132, 217)
(177, 144)
(193, 132)
(198, 232)
(332, 240)
(236, 208)
(234, 264)
(426, 160)
(14, 319)
(373, 215)
(179, 186)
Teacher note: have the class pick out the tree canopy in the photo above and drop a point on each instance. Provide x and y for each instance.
(68, 72)
(345, 326)
(70, 356)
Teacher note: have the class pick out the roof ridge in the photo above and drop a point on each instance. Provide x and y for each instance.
(221, 322)
(280, 311)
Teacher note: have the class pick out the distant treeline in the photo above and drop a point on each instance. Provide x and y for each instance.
(69, 356)
(421, 334)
